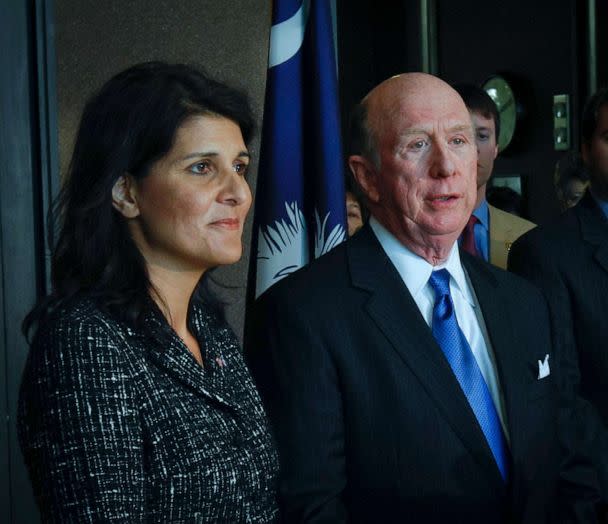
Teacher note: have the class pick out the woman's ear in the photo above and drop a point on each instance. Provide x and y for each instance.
(365, 174)
(124, 197)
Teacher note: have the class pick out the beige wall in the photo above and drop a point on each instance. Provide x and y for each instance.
(97, 38)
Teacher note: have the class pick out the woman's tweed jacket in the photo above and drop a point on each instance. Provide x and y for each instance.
(119, 425)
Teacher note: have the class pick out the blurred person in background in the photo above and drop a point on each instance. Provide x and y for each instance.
(571, 180)
(490, 231)
(355, 212)
(568, 260)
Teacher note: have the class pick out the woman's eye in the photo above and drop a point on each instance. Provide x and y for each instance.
(457, 141)
(200, 168)
(241, 168)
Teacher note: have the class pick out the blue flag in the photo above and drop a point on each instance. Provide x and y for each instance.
(300, 201)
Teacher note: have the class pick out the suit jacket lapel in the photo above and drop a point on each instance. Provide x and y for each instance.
(394, 311)
(594, 228)
(512, 372)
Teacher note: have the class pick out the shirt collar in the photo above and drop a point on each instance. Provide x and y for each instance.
(603, 205)
(414, 270)
(482, 212)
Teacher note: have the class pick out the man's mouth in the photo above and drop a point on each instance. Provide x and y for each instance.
(443, 199)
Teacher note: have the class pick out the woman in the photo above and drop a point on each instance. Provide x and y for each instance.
(135, 403)
(354, 213)
(571, 180)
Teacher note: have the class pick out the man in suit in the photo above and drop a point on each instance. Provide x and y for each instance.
(490, 231)
(406, 381)
(568, 259)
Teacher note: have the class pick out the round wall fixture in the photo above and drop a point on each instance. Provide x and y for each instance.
(501, 92)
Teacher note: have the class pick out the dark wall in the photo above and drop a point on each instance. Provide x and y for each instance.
(601, 19)
(542, 50)
(21, 270)
(376, 39)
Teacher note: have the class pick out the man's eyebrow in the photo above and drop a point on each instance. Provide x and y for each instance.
(414, 131)
(423, 131)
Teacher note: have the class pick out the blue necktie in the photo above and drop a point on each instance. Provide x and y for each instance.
(454, 345)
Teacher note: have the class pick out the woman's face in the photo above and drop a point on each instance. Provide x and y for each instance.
(193, 203)
(574, 191)
(353, 214)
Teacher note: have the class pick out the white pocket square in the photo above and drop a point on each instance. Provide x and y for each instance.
(543, 368)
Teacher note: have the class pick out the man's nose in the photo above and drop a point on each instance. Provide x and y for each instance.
(442, 162)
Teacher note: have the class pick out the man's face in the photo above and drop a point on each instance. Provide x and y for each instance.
(424, 189)
(595, 155)
(485, 138)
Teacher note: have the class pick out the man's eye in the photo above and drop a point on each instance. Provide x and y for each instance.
(200, 168)
(483, 137)
(418, 144)
(457, 141)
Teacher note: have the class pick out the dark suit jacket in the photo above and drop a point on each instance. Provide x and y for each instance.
(123, 425)
(568, 260)
(371, 423)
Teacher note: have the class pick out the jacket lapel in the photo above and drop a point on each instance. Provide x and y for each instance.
(396, 314)
(500, 328)
(513, 373)
(169, 353)
(594, 228)
(498, 247)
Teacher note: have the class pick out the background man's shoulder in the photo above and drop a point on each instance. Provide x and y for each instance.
(502, 221)
(554, 239)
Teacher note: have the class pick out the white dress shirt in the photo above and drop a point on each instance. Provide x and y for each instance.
(415, 273)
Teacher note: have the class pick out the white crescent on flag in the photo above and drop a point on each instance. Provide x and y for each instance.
(286, 37)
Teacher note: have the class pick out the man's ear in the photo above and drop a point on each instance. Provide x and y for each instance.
(495, 151)
(365, 175)
(124, 198)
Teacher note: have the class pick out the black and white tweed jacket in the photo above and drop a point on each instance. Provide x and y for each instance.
(124, 426)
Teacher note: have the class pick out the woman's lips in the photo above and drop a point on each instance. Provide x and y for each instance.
(227, 223)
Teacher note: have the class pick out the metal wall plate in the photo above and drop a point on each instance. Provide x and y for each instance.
(561, 122)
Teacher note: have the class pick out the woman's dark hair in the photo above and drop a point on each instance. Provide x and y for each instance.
(125, 127)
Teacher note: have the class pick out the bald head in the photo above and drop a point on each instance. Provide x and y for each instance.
(417, 161)
(396, 95)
